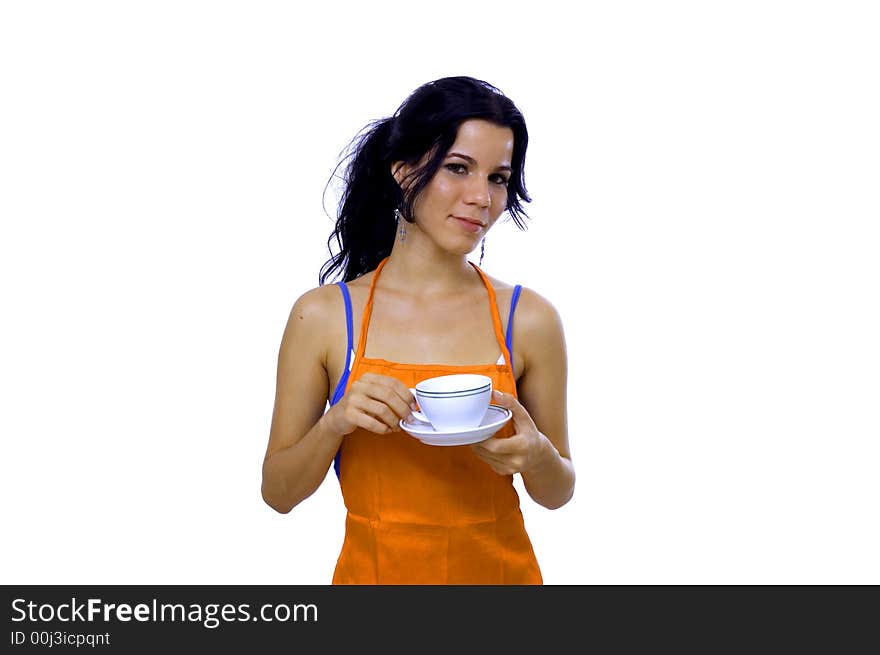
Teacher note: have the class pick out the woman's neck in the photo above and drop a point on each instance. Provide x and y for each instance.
(419, 267)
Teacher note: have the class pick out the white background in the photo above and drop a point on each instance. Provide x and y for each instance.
(705, 219)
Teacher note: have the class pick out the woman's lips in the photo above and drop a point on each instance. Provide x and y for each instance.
(470, 226)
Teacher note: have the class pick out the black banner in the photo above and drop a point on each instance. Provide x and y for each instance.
(253, 619)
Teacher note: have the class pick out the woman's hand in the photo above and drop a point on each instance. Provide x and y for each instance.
(526, 449)
(373, 402)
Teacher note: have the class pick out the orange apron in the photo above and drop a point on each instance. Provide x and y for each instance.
(420, 514)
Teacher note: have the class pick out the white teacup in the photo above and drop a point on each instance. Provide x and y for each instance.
(453, 402)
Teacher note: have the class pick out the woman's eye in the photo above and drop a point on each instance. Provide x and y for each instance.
(460, 169)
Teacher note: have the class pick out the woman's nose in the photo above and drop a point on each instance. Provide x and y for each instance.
(478, 192)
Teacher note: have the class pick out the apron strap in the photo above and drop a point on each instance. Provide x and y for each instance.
(496, 319)
(368, 310)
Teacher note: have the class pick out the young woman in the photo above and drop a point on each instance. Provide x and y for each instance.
(423, 188)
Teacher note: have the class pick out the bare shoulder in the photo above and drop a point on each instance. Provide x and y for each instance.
(316, 305)
(533, 311)
(359, 287)
(313, 319)
(537, 313)
(538, 327)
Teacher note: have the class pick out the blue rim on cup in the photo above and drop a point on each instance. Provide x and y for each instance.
(453, 402)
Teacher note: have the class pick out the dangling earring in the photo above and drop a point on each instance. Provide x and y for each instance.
(482, 250)
(401, 224)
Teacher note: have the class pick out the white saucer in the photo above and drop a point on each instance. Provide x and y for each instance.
(496, 416)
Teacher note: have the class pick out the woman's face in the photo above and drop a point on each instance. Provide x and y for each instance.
(469, 191)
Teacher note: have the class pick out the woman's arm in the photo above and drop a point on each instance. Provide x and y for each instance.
(301, 443)
(539, 448)
(542, 390)
(303, 439)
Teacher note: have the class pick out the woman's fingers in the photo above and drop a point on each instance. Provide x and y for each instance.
(500, 466)
(379, 402)
(521, 417)
(393, 393)
(380, 411)
(355, 417)
(371, 424)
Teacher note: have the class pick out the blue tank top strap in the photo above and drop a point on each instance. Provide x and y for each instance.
(509, 340)
(343, 380)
